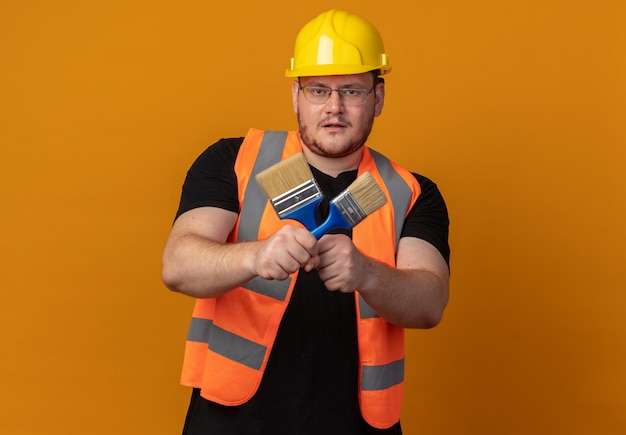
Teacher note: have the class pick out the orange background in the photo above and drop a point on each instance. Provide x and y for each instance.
(515, 108)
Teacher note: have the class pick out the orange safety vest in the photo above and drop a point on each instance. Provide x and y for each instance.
(230, 337)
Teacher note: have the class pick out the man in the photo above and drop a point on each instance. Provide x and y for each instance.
(291, 335)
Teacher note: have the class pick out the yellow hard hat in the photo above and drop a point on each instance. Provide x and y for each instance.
(337, 43)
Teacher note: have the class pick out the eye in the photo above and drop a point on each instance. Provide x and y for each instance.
(317, 91)
(351, 92)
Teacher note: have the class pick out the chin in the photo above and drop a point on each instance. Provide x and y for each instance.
(335, 153)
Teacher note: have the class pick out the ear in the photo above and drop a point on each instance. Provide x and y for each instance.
(380, 98)
(295, 93)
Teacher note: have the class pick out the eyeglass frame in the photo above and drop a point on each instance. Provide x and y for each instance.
(338, 90)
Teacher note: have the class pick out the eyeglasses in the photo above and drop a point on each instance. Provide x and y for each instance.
(349, 96)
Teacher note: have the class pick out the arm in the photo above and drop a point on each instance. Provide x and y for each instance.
(412, 295)
(198, 261)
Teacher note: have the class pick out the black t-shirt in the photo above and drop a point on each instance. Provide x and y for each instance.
(310, 385)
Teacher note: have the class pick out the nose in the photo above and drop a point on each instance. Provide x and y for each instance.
(334, 103)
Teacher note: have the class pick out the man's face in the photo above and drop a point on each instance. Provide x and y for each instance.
(336, 128)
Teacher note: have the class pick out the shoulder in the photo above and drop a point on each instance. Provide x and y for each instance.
(429, 189)
(211, 180)
(221, 152)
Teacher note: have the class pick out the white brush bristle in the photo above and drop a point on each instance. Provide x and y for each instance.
(367, 193)
(285, 175)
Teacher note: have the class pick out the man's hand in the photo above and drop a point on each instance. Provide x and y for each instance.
(340, 263)
(285, 252)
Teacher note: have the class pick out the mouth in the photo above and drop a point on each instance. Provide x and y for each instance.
(334, 125)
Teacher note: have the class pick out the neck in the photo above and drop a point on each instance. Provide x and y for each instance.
(333, 166)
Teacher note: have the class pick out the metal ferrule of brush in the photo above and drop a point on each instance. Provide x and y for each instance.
(349, 208)
(297, 197)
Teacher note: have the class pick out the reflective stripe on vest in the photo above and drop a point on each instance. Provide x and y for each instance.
(398, 189)
(225, 343)
(253, 207)
(382, 377)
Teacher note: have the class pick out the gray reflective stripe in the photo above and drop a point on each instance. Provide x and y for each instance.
(274, 289)
(254, 203)
(199, 330)
(237, 348)
(398, 189)
(382, 377)
(400, 197)
(253, 207)
(365, 311)
(226, 343)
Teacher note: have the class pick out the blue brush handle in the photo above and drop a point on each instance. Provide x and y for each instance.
(334, 220)
(305, 214)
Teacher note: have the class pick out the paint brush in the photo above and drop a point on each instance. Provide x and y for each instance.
(360, 199)
(292, 190)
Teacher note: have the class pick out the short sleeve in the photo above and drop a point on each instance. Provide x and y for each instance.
(211, 180)
(428, 219)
